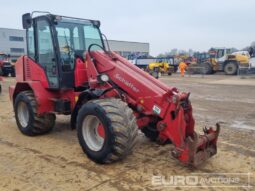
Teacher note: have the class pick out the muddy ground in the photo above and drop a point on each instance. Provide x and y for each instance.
(56, 162)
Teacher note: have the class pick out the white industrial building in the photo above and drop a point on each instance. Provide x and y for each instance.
(13, 42)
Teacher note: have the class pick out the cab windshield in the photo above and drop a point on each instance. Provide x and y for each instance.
(79, 34)
(74, 37)
(220, 53)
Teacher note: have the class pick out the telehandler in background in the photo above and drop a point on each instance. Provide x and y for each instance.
(162, 66)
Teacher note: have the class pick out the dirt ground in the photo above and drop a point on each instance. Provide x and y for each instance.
(55, 162)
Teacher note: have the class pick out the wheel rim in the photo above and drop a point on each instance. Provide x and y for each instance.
(23, 114)
(231, 68)
(93, 132)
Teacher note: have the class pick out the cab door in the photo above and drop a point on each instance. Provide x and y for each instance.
(64, 36)
(46, 51)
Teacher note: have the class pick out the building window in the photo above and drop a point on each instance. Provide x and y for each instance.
(17, 50)
(16, 38)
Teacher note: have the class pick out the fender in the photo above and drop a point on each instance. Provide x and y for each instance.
(44, 97)
(232, 61)
(84, 97)
(40, 93)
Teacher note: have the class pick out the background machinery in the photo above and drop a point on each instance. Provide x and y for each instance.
(142, 63)
(229, 60)
(6, 67)
(108, 98)
(161, 66)
(205, 63)
(220, 59)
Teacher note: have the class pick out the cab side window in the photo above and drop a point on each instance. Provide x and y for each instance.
(31, 43)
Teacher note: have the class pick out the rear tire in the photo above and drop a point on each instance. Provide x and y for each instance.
(231, 68)
(29, 123)
(119, 126)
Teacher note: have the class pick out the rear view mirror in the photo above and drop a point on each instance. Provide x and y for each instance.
(96, 23)
(26, 20)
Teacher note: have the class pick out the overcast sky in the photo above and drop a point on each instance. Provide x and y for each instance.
(165, 24)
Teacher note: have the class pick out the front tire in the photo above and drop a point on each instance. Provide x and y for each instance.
(29, 123)
(231, 68)
(117, 124)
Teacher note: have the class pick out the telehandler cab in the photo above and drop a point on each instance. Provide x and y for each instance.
(69, 71)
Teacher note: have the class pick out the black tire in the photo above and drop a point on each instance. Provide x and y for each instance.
(120, 129)
(34, 125)
(207, 68)
(1, 71)
(150, 132)
(231, 68)
(155, 74)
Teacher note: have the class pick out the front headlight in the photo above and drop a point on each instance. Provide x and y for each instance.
(104, 78)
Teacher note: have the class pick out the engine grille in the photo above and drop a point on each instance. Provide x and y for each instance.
(27, 70)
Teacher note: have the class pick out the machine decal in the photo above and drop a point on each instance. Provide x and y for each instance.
(126, 82)
(156, 109)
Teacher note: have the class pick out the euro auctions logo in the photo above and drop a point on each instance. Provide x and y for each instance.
(220, 180)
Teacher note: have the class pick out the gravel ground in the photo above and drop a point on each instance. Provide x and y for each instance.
(56, 161)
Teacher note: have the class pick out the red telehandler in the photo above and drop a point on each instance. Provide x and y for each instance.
(68, 70)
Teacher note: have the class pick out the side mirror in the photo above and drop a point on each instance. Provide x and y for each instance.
(26, 21)
(96, 23)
